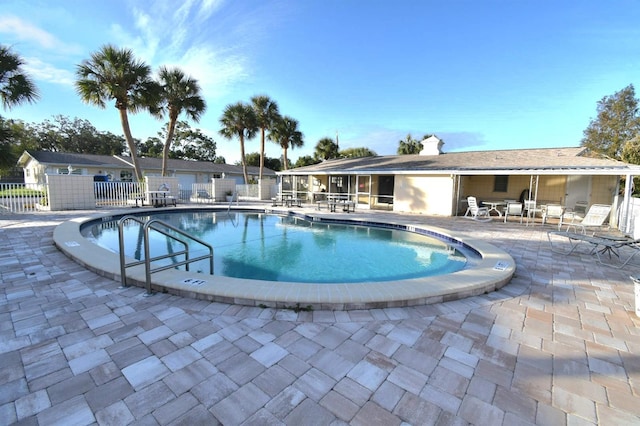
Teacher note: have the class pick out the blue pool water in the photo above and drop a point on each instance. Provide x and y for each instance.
(261, 246)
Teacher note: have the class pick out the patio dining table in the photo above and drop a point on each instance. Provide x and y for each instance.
(493, 205)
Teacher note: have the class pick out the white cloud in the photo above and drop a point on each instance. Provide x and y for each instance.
(43, 71)
(188, 38)
(25, 31)
(209, 7)
(216, 72)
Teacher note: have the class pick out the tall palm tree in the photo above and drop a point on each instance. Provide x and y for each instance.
(16, 87)
(326, 149)
(266, 111)
(284, 132)
(115, 74)
(239, 120)
(180, 93)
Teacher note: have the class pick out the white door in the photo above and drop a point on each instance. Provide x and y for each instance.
(578, 189)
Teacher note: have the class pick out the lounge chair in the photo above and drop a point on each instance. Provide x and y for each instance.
(476, 213)
(595, 218)
(599, 245)
(513, 209)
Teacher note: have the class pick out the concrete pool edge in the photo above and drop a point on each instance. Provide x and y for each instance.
(493, 271)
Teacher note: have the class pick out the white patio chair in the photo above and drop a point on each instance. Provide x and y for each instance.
(531, 210)
(513, 209)
(554, 211)
(477, 213)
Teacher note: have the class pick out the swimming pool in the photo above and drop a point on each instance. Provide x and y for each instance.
(284, 248)
(493, 270)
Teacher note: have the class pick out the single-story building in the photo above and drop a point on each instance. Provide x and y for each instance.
(437, 183)
(36, 164)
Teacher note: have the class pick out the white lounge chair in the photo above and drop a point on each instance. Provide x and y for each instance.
(476, 213)
(595, 218)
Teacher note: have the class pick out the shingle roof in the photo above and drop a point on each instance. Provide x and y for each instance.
(512, 161)
(146, 163)
(49, 157)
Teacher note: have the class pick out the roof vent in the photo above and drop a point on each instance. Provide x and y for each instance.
(431, 146)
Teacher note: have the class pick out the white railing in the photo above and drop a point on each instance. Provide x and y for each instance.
(629, 224)
(248, 191)
(118, 194)
(22, 197)
(201, 193)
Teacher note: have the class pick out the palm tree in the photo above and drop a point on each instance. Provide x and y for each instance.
(284, 132)
(266, 111)
(114, 74)
(180, 93)
(239, 120)
(409, 146)
(326, 149)
(16, 87)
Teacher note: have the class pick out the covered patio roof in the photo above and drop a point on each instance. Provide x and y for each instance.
(545, 161)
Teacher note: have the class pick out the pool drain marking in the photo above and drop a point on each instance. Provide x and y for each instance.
(193, 281)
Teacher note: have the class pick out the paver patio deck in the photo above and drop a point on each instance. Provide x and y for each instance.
(558, 345)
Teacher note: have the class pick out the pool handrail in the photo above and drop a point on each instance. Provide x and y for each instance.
(151, 225)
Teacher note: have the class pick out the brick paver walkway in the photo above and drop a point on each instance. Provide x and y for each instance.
(558, 345)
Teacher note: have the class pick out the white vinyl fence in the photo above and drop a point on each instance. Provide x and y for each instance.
(202, 193)
(22, 197)
(118, 194)
(246, 192)
(630, 224)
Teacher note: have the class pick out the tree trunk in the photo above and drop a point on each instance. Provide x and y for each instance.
(167, 143)
(261, 152)
(284, 157)
(244, 162)
(124, 119)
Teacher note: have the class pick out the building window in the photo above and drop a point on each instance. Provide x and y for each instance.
(501, 183)
(65, 171)
(126, 176)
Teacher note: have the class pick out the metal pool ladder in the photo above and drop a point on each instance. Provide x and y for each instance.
(163, 228)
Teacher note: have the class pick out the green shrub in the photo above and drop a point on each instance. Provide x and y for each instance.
(21, 192)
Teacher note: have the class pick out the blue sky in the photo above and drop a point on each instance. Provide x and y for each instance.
(479, 74)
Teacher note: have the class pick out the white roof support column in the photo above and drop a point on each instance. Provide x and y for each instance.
(627, 206)
(533, 182)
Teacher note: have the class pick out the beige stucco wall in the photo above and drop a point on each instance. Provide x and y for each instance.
(430, 195)
(603, 189)
(551, 189)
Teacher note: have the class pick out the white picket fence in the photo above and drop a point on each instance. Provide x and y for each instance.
(22, 197)
(117, 194)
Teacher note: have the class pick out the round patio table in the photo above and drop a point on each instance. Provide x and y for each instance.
(493, 205)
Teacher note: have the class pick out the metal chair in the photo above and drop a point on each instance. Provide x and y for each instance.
(554, 211)
(513, 209)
